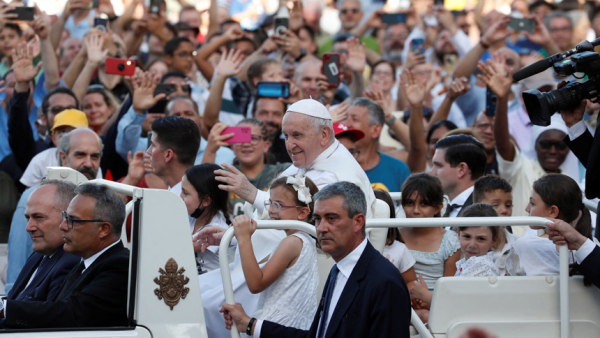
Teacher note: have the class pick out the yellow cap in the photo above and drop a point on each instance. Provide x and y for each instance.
(72, 118)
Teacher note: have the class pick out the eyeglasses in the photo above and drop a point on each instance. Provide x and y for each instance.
(71, 221)
(353, 10)
(57, 109)
(383, 73)
(547, 145)
(255, 140)
(277, 206)
(354, 152)
(565, 29)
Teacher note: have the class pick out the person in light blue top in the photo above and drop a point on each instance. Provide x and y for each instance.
(130, 127)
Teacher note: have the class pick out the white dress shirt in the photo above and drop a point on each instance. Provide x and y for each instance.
(346, 266)
(176, 188)
(585, 250)
(460, 200)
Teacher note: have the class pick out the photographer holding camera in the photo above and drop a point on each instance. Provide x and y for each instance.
(586, 147)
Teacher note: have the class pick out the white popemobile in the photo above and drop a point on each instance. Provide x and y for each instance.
(164, 294)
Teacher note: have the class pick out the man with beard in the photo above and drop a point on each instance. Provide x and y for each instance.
(63, 123)
(394, 42)
(483, 129)
(79, 149)
(270, 111)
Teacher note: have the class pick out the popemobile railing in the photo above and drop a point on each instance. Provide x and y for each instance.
(415, 223)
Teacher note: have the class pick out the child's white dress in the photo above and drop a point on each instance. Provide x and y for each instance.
(292, 299)
(399, 255)
(482, 266)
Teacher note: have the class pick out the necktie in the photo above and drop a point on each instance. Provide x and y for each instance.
(39, 268)
(328, 295)
(450, 208)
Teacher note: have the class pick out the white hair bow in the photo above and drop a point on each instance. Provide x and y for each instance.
(298, 182)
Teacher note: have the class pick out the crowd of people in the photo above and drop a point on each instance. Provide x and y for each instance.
(424, 105)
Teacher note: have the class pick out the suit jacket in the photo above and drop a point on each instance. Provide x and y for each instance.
(591, 268)
(96, 298)
(587, 149)
(47, 282)
(374, 303)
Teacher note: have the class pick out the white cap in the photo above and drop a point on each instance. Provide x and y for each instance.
(310, 107)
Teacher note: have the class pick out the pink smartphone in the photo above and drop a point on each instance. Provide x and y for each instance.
(242, 134)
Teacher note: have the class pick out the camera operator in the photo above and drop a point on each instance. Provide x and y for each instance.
(586, 147)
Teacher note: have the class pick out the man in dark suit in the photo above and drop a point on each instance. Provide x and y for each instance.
(458, 162)
(365, 295)
(94, 293)
(587, 253)
(587, 149)
(46, 269)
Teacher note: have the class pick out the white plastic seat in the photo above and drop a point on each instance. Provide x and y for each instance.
(512, 306)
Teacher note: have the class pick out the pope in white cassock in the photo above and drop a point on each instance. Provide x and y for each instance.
(315, 153)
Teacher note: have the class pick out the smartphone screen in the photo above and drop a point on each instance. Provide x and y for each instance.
(165, 88)
(527, 25)
(154, 7)
(242, 134)
(392, 19)
(331, 68)
(438, 2)
(149, 140)
(273, 89)
(100, 23)
(491, 100)
(416, 43)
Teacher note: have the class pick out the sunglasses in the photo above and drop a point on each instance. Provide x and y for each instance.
(546, 145)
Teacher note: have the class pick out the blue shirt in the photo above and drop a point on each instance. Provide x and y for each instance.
(128, 139)
(80, 29)
(389, 173)
(19, 241)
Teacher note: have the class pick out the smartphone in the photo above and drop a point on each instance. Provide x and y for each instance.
(527, 25)
(149, 140)
(273, 89)
(242, 134)
(100, 23)
(119, 66)
(154, 6)
(438, 2)
(491, 100)
(392, 19)
(95, 3)
(415, 43)
(450, 62)
(281, 23)
(165, 88)
(331, 68)
(23, 13)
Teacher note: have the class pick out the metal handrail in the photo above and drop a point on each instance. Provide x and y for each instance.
(590, 205)
(120, 188)
(224, 247)
(413, 223)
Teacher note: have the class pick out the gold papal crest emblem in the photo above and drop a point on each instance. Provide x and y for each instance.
(171, 284)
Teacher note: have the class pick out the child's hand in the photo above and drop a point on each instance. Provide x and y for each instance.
(244, 227)
(420, 291)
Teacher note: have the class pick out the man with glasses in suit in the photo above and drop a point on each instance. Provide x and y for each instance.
(94, 293)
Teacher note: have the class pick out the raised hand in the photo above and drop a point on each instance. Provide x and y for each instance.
(5, 15)
(289, 43)
(106, 7)
(147, 161)
(244, 227)
(445, 18)
(72, 5)
(94, 46)
(295, 93)
(136, 170)
(143, 92)
(235, 181)
(340, 112)
(230, 63)
(458, 87)
(207, 237)
(233, 33)
(269, 46)
(357, 55)
(41, 23)
(23, 68)
(327, 92)
(415, 92)
(497, 32)
(385, 101)
(540, 34)
(414, 58)
(494, 75)
(215, 139)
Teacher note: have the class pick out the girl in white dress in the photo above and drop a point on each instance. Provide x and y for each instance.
(476, 244)
(288, 281)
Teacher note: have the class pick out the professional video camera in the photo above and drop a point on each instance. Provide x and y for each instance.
(541, 106)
